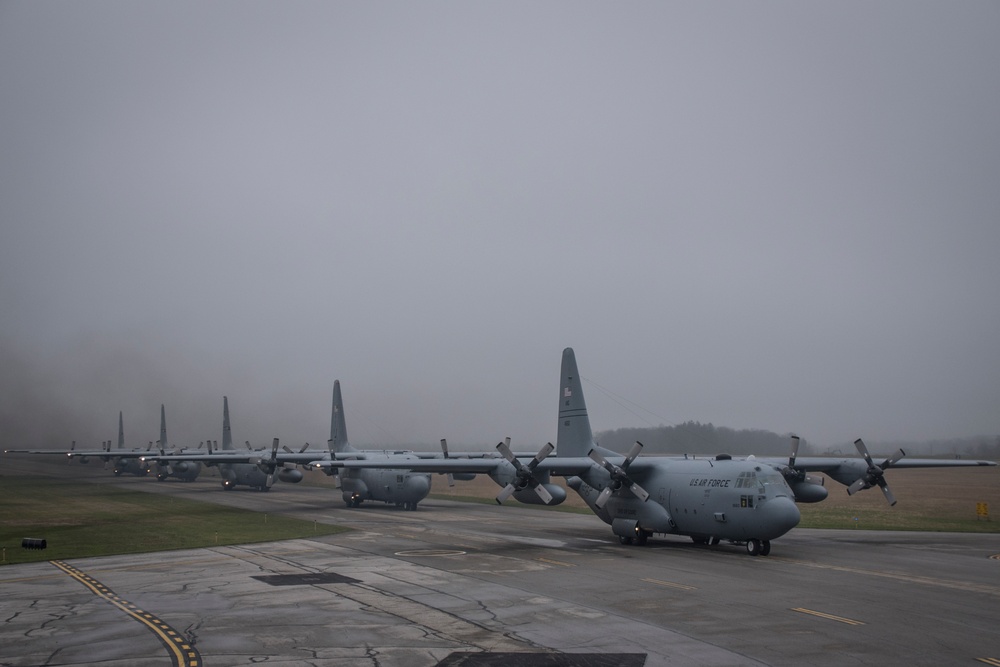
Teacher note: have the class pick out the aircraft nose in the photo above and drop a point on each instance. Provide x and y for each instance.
(418, 486)
(780, 516)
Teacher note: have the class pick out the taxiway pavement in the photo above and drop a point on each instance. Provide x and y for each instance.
(413, 588)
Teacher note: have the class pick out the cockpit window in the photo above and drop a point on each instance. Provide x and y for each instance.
(771, 480)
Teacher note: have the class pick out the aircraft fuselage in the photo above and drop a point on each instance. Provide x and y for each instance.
(250, 474)
(705, 499)
(403, 489)
(131, 466)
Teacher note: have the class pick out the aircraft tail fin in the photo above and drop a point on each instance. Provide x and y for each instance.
(574, 437)
(227, 432)
(338, 424)
(121, 432)
(163, 427)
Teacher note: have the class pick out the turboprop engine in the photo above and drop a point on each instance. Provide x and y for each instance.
(290, 475)
(519, 480)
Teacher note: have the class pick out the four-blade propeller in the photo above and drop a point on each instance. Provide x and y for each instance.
(875, 475)
(268, 466)
(619, 475)
(525, 473)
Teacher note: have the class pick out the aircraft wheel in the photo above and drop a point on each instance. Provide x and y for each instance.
(765, 547)
(753, 547)
(700, 540)
(118, 473)
(161, 478)
(624, 540)
(714, 541)
(641, 538)
(227, 487)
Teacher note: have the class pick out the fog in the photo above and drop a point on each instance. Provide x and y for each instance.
(774, 215)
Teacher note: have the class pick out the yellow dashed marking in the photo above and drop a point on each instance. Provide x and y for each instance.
(177, 657)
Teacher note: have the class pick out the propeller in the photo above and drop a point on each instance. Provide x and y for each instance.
(444, 448)
(269, 465)
(619, 475)
(789, 472)
(525, 473)
(168, 467)
(875, 475)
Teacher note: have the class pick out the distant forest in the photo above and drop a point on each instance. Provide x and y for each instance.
(707, 439)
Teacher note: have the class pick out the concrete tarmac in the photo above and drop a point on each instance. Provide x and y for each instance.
(419, 588)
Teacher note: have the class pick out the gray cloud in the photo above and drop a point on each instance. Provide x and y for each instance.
(772, 216)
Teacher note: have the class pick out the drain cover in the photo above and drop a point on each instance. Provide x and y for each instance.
(305, 579)
(544, 660)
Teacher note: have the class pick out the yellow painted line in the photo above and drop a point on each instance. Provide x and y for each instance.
(182, 654)
(990, 661)
(555, 562)
(830, 617)
(671, 584)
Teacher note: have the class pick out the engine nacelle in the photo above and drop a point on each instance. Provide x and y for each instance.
(464, 476)
(181, 466)
(529, 497)
(808, 492)
(290, 475)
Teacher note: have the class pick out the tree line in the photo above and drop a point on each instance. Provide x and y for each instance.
(707, 440)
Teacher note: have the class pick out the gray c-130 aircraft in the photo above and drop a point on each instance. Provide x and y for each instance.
(375, 482)
(126, 461)
(743, 501)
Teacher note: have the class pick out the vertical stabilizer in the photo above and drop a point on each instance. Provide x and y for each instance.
(338, 425)
(227, 432)
(574, 437)
(121, 432)
(163, 428)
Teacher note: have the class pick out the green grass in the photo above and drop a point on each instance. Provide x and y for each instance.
(79, 519)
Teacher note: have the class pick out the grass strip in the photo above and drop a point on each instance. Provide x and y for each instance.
(80, 519)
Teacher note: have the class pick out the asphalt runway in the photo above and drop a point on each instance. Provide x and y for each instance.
(427, 587)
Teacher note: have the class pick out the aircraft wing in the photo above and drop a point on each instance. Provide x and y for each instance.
(552, 465)
(848, 469)
(95, 453)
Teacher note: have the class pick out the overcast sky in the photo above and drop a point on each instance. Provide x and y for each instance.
(773, 215)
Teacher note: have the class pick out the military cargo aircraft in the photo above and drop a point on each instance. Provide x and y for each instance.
(398, 487)
(125, 461)
(742, 501)
(259, 475)
(179, 466)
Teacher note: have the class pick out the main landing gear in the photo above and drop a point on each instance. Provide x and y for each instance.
(640, 539)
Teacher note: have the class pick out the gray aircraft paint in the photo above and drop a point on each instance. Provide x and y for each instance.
(186, 471)
(258, 475)
(398, 487)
